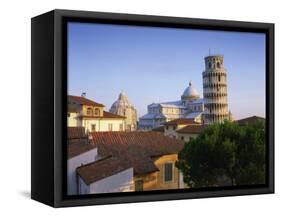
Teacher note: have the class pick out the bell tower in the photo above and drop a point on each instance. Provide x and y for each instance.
(215, 90)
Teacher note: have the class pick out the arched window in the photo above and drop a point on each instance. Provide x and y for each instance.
(210, 65)
(219, 78)
(97, 112)
(89, 111)
(218, 65)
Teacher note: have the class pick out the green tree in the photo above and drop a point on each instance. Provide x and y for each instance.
(225, 154)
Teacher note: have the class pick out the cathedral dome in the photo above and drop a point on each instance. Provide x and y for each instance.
(190, 93)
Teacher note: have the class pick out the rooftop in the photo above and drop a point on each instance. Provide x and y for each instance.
(250, 120)
(83, 101)
(78, 146)
(122, 150)
(101, 169)
(192, 129)
(76, 133)
(78, 142)
(214, 56)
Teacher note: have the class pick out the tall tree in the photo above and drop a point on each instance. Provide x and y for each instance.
(225, 154)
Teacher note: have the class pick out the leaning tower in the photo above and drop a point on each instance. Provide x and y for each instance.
(215, 90)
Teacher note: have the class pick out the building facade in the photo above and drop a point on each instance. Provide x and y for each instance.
(123, 107)
(83, 112)
(183, 129)
(190, 106)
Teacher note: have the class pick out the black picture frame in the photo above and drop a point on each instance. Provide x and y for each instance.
(49, 97)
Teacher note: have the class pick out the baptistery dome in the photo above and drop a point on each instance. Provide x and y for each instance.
(123, 107)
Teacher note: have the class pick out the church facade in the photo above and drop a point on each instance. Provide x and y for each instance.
(191, 106)
(213, 107)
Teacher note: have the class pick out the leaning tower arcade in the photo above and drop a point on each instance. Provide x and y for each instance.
(215, 90)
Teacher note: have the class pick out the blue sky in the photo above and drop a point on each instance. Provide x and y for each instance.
(156, 64)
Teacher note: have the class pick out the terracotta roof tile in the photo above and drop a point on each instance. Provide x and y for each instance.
(77, 142)
(122, 150)
(72, 109)
(76, 133)
(193, 129)
(250, 120)
(154, 143)
(83, 101)
(101, 169)
(76, 147)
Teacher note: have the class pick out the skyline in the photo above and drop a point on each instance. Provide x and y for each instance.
(153, 64)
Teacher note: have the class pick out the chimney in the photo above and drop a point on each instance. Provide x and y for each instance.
(83, 94)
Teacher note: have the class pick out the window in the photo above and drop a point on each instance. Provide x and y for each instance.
(89, 111)
(109, 127)
(219, 78)
(182, 138)
(210, 65)
(97, 112)
(139, 185)
(68, 115)
(168, 172)
(218, 65)
(121, 127)
(93, 127)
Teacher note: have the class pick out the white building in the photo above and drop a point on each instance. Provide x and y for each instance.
(190, 106)
(80, 152)
(106, 174)
(123, 107)
(83, 112)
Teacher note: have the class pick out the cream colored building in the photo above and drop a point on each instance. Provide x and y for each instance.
(123, 107)
(189, 131)
(182, 129)
(91, 115)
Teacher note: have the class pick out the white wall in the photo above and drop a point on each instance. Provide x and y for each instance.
(73, 120)
(15, 87)
(119, 182)
(73, 163)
